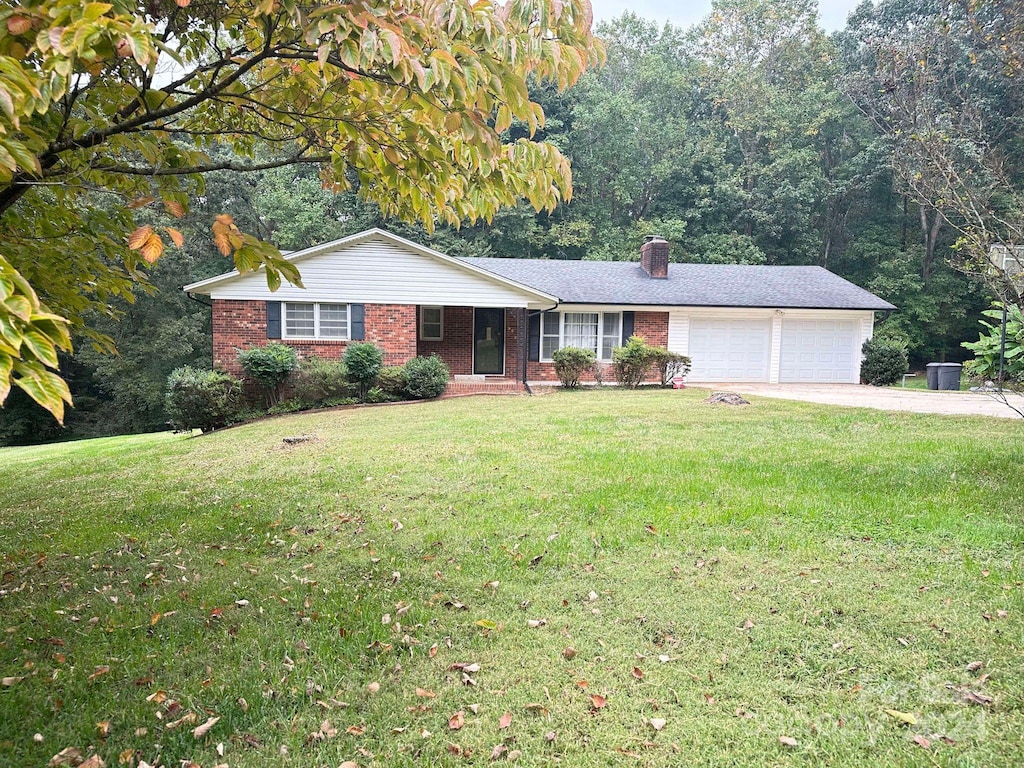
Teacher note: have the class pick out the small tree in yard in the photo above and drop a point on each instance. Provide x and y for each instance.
(269, 366)
(632, 362)
(363, 362)
(885, 361)
(571, 363)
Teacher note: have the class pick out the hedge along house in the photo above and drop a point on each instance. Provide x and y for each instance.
(496, 322)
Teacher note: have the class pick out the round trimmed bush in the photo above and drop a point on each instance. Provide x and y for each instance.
(571, 363)
(426, 377)
(885, 362)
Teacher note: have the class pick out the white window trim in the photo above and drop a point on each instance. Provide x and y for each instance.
(561, 332)
(440, 336)
(316, 321)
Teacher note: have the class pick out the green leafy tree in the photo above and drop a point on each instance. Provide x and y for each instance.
(406, 101)
(941, 82)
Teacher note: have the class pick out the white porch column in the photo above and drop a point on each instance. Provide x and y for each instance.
(775, 355)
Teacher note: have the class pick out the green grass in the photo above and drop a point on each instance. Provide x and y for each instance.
(802, 568)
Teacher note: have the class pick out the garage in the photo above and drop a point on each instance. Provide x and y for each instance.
(725, 349)
(824, 351)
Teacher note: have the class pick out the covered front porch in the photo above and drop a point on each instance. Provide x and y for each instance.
(480, 345)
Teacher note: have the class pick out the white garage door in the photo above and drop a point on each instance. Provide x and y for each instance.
(728, 350)
(819, 350)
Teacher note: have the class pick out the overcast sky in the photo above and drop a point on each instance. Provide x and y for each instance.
(686, 13)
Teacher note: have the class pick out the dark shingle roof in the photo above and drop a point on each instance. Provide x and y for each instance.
(687, 285)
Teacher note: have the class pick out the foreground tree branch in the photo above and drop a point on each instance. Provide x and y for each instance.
(408, 99)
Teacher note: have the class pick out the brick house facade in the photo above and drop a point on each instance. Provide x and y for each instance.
(736, 322)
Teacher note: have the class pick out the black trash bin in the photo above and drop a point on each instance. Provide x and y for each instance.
(943, 375)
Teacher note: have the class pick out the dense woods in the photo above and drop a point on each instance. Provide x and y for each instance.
(889, 152)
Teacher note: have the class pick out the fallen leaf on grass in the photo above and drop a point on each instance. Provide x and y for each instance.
(103, 726)
(657, 723)
(67, 756)
(974, 666)
(204, 729)
(550, 737)
(748, 624)
(569, 653)
(373, 687)
(471, 668)
(186, 719)
(423, 693)
(505, 721)
(94, 761)
(487, 624)
(349, 764)
(498, 751)
(597, 701)
(638, 673)
(788, 741)
(101, 670)
(921, 741)
(9, 681)
(537, 709)
(534, 623)
(433, 651)
(456, 721)
(903, 718)
(356, 730)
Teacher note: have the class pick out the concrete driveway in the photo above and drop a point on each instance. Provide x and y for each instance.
(883, 398)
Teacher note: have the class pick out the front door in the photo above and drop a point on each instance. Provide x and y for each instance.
(489, 341)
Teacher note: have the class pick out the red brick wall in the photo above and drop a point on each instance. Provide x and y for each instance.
(242, 324)
(236, 325)
(653, 326)
(456, 348)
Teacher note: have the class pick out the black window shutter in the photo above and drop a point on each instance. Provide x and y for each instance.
(357, 313)
(533, 353)
(628, 319)
(273, 319)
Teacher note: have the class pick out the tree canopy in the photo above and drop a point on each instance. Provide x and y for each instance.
(110, 113)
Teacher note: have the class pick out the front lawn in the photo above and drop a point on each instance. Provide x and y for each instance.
(584, 579)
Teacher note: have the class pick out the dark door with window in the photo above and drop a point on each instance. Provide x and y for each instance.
(489, 341)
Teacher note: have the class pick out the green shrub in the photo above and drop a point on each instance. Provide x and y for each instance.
(426, 377)
(669, 364)
(269, 366)
(885, 362)
(291, 405)
(393, 379)
(363, 361)
(199, 399)
(632, 362)
(989, 346)
(317, 381)
(377, 395)
(571, 363)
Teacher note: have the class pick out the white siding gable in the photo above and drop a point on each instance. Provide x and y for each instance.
(377, 270)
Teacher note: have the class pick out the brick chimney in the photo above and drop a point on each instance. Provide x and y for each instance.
(654, 256)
